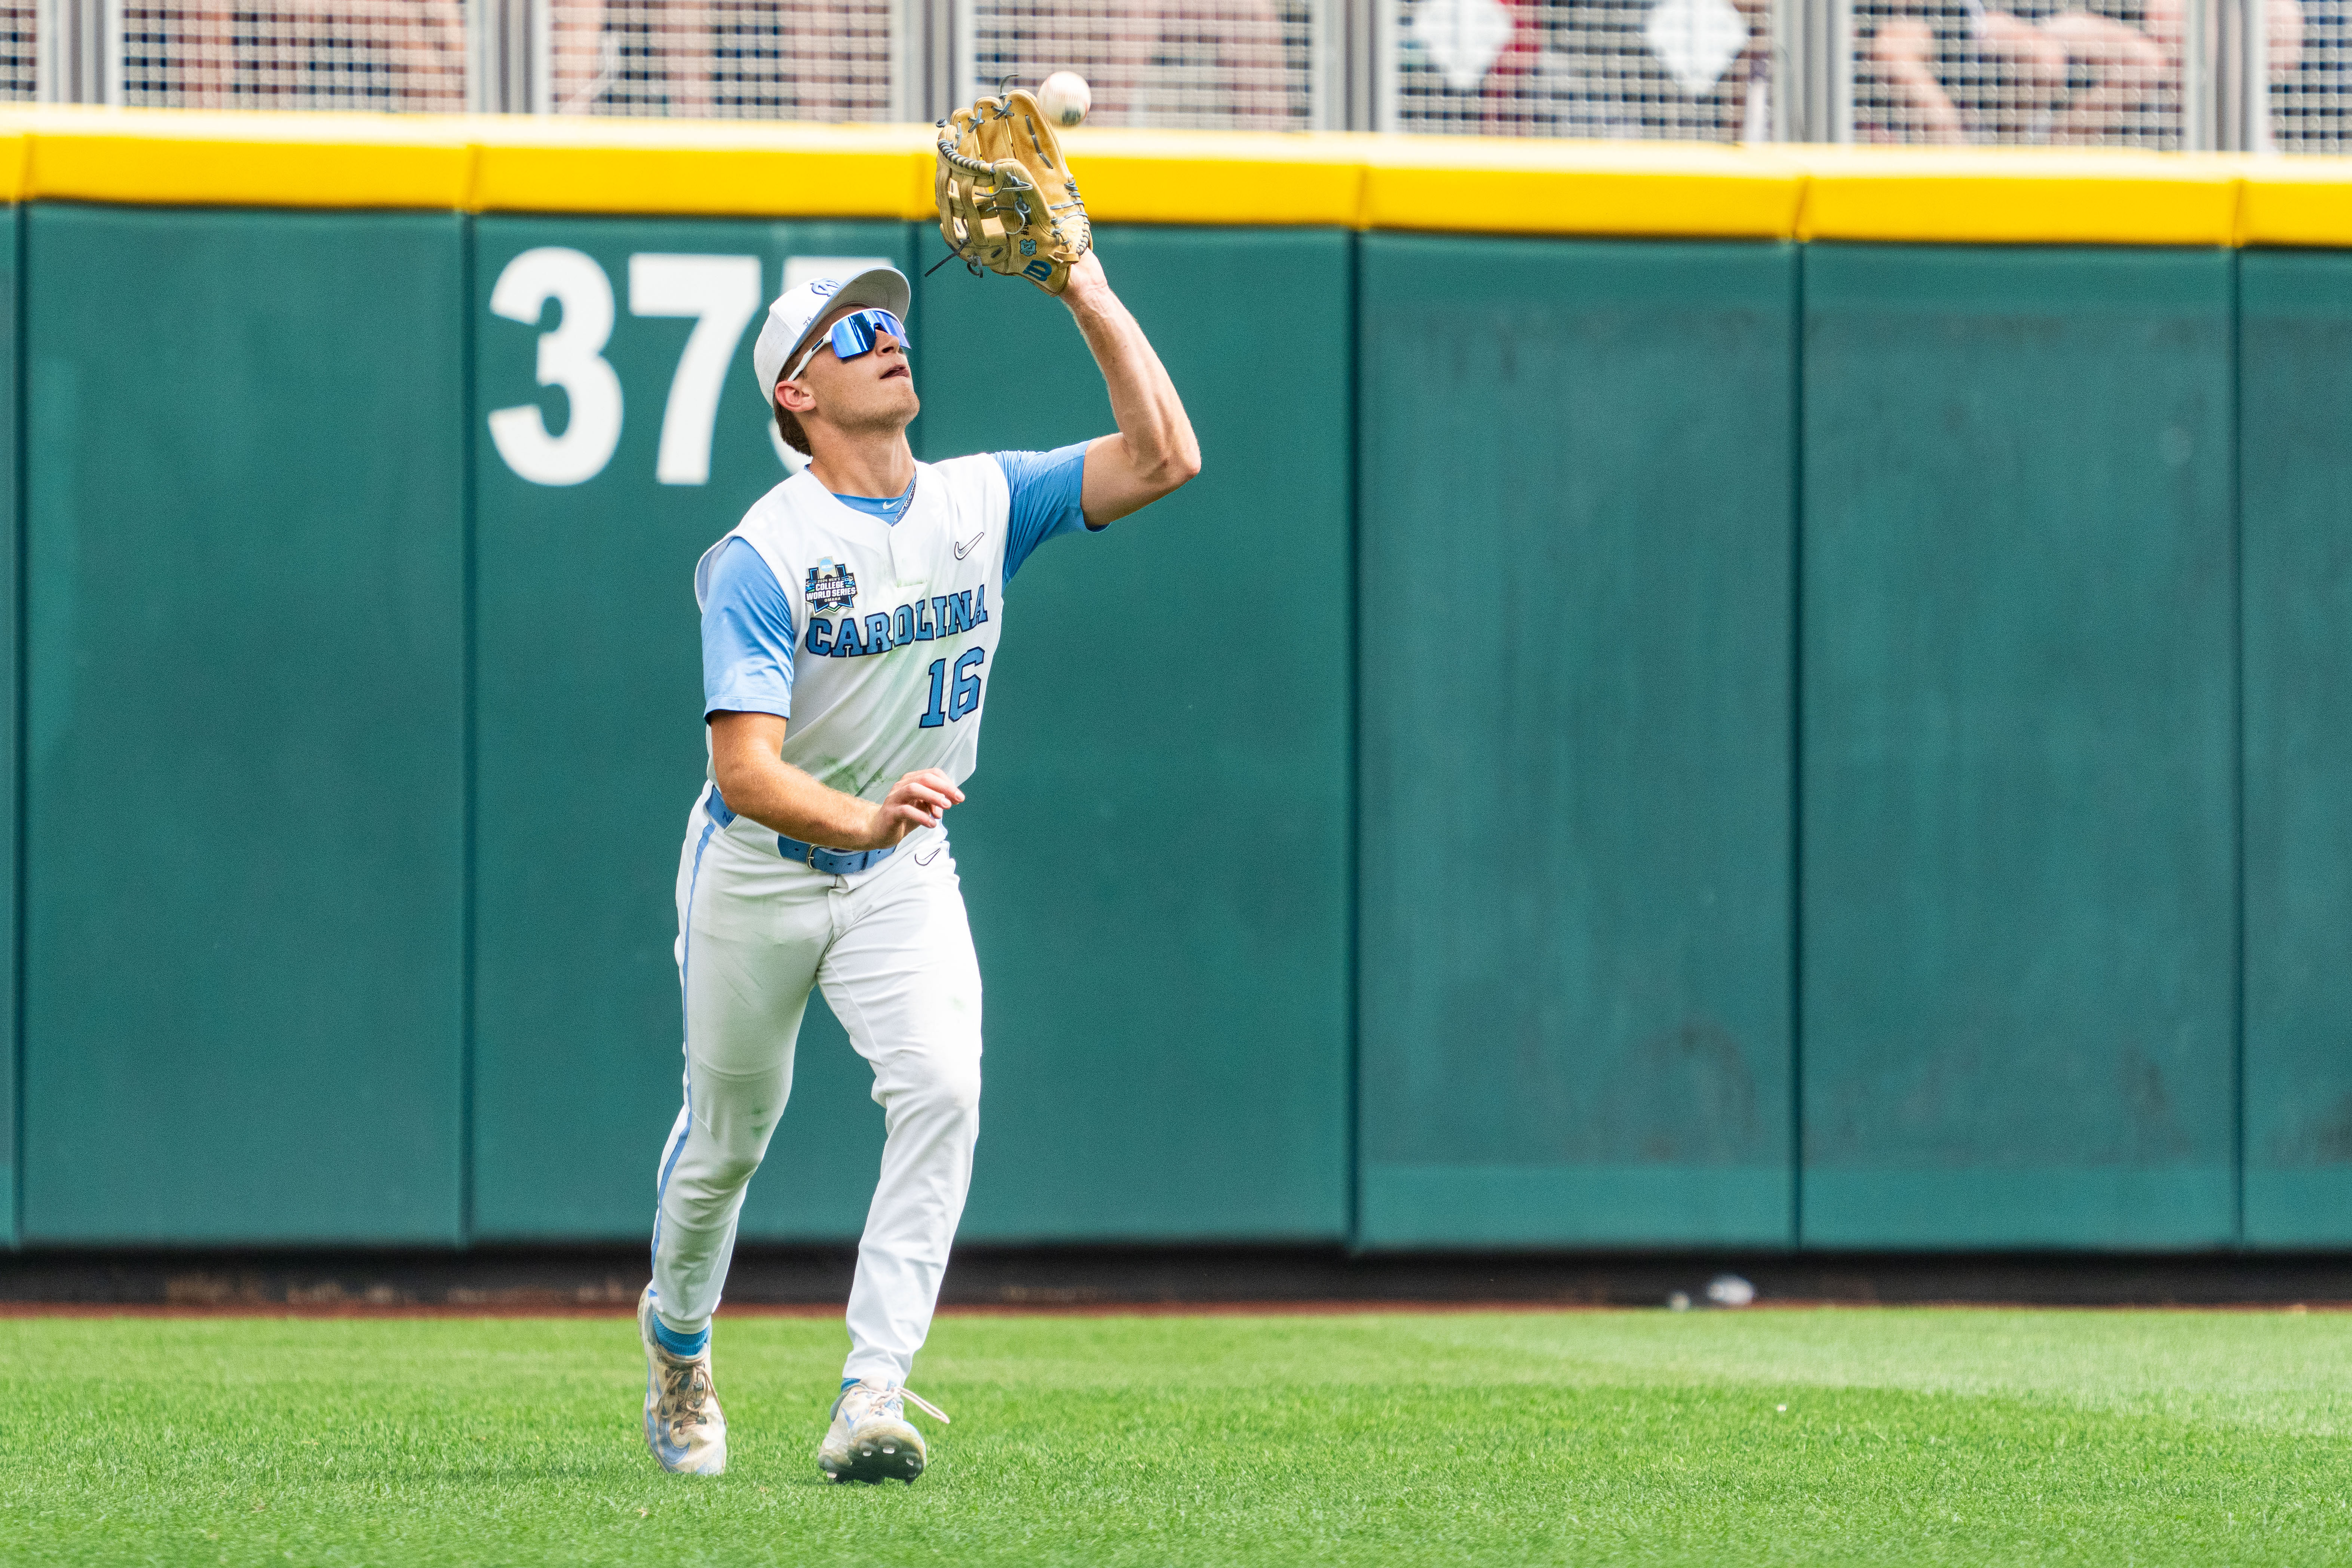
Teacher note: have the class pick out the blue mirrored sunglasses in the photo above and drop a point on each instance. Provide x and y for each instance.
(853, 335)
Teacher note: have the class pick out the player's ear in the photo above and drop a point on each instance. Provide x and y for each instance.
(794, 397)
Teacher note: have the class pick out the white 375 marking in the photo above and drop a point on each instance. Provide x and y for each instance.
(722, 294)
(572, 358)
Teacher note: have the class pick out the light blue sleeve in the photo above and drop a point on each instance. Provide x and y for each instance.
(1046, 488)
(747, 636)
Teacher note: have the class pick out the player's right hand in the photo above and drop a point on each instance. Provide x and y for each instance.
(918, 800)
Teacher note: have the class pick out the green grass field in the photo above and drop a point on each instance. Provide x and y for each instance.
(1860, 1437)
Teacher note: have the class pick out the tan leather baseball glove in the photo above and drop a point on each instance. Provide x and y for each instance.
(1007, 201)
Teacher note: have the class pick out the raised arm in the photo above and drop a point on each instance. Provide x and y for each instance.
(1154, 450)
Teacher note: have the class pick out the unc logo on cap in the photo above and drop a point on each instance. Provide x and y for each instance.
(824, 286)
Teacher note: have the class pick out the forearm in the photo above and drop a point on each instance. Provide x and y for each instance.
(756, 782)
(779, 796)
(1155, 446)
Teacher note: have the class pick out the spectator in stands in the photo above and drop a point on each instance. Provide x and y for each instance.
(2313, 111)
(1219, 62)
(796, 59)
(358, 54)
(1161, 62)
(2283, 44)
(1960, 70)
(1504, 87)
(1591, 69)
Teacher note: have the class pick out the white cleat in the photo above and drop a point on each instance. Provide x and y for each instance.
(870, 1440)
(684, 1427)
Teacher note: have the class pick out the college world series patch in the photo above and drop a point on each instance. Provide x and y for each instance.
(830, 586)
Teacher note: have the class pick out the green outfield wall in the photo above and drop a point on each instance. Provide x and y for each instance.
(1576, 482)
(1628, 742)
(2019, 747)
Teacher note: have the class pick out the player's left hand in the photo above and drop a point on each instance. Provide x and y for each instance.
(918, 800)
(1006, 198)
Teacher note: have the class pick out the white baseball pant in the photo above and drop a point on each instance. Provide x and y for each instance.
(893, 951)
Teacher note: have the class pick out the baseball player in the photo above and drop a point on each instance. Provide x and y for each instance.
(849, 629)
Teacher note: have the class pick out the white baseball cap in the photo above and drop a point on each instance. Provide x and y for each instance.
(792, 318)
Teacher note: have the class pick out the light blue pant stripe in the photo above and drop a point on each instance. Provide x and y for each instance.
(685, 967)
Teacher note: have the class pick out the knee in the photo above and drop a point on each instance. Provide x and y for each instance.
(732, 1168)
(948, 1089)
(718, 1174)
(1904, 42)
(2043, 63)
(718, 1160)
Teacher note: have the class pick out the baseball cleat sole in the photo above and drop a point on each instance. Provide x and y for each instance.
(879, 1461)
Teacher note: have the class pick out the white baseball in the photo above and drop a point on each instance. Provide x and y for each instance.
(1065, 98)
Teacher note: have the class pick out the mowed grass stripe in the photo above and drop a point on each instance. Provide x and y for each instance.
(1908, 1436)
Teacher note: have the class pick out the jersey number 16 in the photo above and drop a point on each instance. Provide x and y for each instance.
(963, 698)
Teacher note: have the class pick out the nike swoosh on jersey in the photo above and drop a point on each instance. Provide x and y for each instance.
(926, 859)
(968, 544)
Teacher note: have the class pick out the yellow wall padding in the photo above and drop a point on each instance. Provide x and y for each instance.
(1450, 184)
(1525, 186)
(2296, 200)
(700, 167)
(195, 157)
(2020, 196)
(1214, 176)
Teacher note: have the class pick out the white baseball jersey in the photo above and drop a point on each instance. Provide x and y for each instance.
(894, 627)
(873, 641)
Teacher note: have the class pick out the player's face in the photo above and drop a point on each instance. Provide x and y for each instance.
(875, 390)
